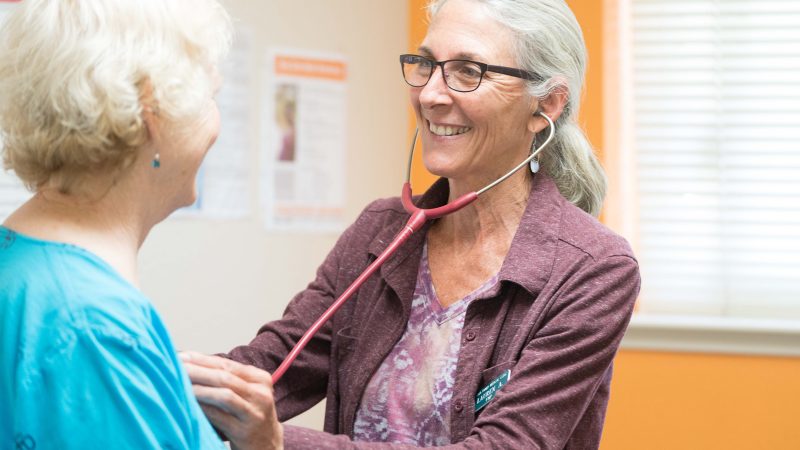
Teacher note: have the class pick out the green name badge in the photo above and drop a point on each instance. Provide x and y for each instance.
(488, 392)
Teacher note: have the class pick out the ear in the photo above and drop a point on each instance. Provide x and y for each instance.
(552, 105)
(151, 122)
(149, 110)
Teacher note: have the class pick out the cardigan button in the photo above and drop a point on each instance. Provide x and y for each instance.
(471, 335)
(459, 406)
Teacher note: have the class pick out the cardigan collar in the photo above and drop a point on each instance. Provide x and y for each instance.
(530, 258)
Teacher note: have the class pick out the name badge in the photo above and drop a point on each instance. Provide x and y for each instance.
(487, 393)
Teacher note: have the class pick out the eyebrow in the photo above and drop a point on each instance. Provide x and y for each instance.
(425, 51)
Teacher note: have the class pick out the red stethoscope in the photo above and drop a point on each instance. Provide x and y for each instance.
(418, 218)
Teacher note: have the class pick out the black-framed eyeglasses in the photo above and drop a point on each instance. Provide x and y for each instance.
(460, 75)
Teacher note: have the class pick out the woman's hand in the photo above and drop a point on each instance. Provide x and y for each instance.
(237, 399)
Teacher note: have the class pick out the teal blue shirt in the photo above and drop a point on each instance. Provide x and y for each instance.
(85, 360)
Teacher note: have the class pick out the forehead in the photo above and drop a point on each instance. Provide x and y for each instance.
(465, 29)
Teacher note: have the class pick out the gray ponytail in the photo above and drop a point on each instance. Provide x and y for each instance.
(549, 42)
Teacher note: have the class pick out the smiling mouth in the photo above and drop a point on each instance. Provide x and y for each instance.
(444, 130)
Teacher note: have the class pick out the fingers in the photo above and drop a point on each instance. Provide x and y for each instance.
(222, 389)
(221, 419)
(237, 398)
(247, 381)
(226, 401)
(248, 373)
(256, 402)
(243, 391)
(215, 377)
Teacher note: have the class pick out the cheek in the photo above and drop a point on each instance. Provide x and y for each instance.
(214, 119)
(515, 113)
(208, 130)
(215, 129)
(413, 97)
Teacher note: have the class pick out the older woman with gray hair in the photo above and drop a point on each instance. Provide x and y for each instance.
(106, 112)
(496, 326)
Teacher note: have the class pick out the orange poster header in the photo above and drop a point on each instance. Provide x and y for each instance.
(311, 68)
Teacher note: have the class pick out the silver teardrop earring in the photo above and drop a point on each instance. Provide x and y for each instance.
(535, 161)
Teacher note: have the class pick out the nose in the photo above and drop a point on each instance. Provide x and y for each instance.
(435, 92)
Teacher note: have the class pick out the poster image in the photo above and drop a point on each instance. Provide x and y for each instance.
(286, 120)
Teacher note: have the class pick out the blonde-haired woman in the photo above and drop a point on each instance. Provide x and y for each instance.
(106, 112)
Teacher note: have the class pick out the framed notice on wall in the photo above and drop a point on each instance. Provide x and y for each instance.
(302, 178)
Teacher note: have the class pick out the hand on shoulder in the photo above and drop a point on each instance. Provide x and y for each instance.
(237, 399)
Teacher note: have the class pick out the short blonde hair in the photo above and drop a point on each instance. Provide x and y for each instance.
(76, 75)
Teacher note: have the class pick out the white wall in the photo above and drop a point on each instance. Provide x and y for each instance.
(216, 282)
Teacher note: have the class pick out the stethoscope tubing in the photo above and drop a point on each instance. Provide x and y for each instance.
(419, 216)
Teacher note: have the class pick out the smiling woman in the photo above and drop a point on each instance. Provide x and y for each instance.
(483, 146)
(495, 326)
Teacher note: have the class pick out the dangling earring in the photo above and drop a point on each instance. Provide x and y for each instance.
(535, 161)
(156, 163)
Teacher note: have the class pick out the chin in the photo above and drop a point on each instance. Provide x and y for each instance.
(191, 198)
(186, 199)
(441, 167)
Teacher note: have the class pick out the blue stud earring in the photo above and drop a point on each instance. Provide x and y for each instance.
(157, 161)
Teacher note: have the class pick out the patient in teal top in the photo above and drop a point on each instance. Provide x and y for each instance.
(106, 112)
(85, 361)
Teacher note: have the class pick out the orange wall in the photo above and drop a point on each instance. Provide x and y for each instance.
(589, 14)
(421, 179)
(664, 400)
(703, 401)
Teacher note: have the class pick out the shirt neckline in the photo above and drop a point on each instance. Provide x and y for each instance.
(441, 313)
(16, 235)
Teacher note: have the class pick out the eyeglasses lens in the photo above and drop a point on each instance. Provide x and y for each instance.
(416, 70)
(463, 76)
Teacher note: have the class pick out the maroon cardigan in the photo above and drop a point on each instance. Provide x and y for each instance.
(566, 292)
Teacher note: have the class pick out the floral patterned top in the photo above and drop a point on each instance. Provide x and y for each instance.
(408, 398)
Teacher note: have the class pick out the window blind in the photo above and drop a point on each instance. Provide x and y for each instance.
(716, 134)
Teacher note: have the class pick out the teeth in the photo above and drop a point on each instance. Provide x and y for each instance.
(441, 130)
